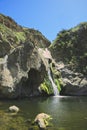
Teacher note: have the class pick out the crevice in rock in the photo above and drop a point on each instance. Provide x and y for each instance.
(34, 80)
(29, 86)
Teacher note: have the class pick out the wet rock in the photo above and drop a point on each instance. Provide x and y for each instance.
(14, 109)
(42, 120)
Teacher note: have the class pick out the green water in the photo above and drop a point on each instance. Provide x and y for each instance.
(68, 113)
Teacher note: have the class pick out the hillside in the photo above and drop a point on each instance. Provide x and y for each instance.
(13, 35)
(70, 46)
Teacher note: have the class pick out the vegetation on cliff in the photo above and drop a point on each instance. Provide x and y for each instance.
(13, 35)
(70, 46)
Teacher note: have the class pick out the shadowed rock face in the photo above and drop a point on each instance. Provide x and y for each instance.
(21, 67)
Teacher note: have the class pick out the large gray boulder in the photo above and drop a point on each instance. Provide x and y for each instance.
(42, 119)
(74, 83)
(21, 72)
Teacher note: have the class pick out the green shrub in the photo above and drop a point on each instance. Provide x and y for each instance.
(46, 86)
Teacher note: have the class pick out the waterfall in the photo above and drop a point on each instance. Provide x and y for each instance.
(47, 59)
(5, 61)
(55, 89)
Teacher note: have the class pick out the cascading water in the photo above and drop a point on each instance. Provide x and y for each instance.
(55, 89)
(46, 56)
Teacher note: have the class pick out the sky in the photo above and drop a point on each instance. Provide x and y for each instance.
(47, 16)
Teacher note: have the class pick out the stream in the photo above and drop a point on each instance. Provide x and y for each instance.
(68, 113)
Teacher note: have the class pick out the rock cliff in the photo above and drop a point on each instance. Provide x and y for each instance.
(28, 68)
(21, 67)
(69, 50)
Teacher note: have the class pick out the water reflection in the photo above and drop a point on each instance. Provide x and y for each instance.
(69, 113)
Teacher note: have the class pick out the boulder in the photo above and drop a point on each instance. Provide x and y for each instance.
(42, 120)
(21, 72)
(74, 83)
(14, 109)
